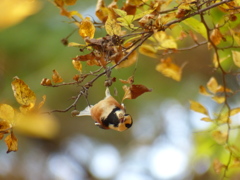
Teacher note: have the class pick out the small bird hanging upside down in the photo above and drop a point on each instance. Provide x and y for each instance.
(109, 114)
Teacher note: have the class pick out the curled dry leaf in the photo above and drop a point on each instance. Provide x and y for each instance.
(76, 77)
(46, 82)
(4, 128)
(23, 94)
(216, 37)
(56, 77)
(130, 80)
(134, 91)
(12, 142)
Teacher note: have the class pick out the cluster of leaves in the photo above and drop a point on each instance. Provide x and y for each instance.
(27, 119)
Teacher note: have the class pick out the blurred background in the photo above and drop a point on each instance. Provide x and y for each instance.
(161, 143)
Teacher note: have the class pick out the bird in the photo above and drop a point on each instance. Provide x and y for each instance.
(109, 114)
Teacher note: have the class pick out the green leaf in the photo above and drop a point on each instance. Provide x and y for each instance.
(196, 26)
(120, 12)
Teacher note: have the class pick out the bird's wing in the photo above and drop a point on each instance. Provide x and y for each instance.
(86, 111)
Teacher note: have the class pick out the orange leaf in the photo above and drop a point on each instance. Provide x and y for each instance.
(12, 142)
(216, 37)
(70, 2)
(76, 77)
(46, 82)
(134, 91)
(23, 94)
(4, 128)
(130, 80)
(56, 77)
(101, 11)
(85, 57)
(86, 28)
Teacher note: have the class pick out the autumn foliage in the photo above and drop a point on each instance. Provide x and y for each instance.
(155, 29)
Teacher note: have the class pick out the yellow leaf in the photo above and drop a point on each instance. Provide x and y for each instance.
(223, 117)
(215, 61)
(86, 28)
(196, 106)
(23, 94)
(112, 27)
(207, 119)
(203, 91)
(132, 58)
(148, 50)
(212, 85)
(7, 113)
(15, 11)
(219, 137)
(169, 69)
(38, 125)
(42, 102)
(164, 19)
(75, 13)
(73, 44)
(77, 65)
(12, 142)
(56, 77)
(234, 111)
(236, 58)
(165, 41)
(219, 99)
